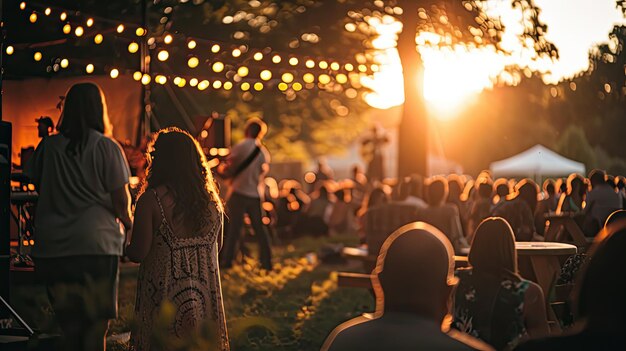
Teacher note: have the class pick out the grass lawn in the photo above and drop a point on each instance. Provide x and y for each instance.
(299, 300)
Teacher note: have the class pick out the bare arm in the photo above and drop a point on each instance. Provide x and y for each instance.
(141, 240)
(121, 206)
(535, 317)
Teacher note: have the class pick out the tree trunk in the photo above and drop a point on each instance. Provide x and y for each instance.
(413, 129)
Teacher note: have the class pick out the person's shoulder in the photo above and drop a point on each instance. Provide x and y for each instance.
(466, 342)
(345, 333)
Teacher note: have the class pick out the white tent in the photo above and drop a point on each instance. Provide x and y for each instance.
(536, 162)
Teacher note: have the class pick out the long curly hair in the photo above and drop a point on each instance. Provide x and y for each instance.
(176, 161)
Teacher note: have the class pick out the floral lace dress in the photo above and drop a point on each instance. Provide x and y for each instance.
(490, 309)
(184, 272)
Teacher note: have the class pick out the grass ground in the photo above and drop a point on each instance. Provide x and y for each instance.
(299, 300)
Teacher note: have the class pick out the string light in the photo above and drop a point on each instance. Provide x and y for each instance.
(140, 32)
(63, 16)
(215, 48)
(217, 84)
(168, 39)
(193, 62)
(133, 47)
(276, 59)
(309, 63)
(308, 78)
(296, 86)
(193, 82)
(89, 22)
(349, 67)
(362, 68)
(137, 76)
(266, 74)
(33, 17)
(341, 78)
(245, 86)
(145, 79)
(10, 50)
(67, 29)
(160, 79)
(37, 56)
(22, 5)
(293, 61)
(258, 56)
(114, 73)
(323, 64)
(89, 68)
(163, 55)
(243, 71)
(287, 77)
(120, 28)
(181, 83)
(65, 63)
(79, 31)
(218, 67)
(203, 85)
(228, 85)
(98, 39)
(324, 78)
(258, 86)
(191, 44)
(47, 11)
(283, 86)
(236, 53)
(335, 66)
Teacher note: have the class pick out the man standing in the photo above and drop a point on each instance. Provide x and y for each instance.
(45, 126)
(246, 167)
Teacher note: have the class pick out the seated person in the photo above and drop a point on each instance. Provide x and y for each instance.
(492, 302)
(600, 323)
(413, 283)
(546, 206)
(481, 208)
(601, 201)
(518, 210)
(444, 216)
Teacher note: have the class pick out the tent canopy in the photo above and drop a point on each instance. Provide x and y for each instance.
(536, 162)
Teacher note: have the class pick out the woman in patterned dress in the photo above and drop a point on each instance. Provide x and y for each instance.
(492, 302)
(176, 237)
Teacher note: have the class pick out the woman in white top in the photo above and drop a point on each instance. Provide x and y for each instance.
(81, 175)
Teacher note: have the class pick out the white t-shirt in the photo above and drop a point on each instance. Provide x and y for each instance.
(75, 213)
(250, 181)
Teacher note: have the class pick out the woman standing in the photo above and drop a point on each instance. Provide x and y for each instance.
(176, 238)
(81, 175)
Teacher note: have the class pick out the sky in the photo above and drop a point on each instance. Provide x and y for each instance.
(455, 75)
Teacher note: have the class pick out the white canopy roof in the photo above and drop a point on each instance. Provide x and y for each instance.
(536, 162)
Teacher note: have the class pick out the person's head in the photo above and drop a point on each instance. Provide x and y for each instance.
(404, 188)
(484, 190)
(455, 188)
(45, 126)
(437, 190)
(378, 196)
(549, 187)
(501, 188)
(527, 190)
(255, 128)
(176, 161)
(601, 290)
(493, 248)
(84, 108)
(610, 181)
(417, 185)
(415, 272)
(597, 177)
(619, 183)
(576, 185)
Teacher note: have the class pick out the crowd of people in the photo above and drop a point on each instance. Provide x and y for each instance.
(84, 224)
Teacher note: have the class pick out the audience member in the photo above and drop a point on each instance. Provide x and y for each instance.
(82, 178)
(545, 206)
(378, 196)
(341, 215)
(444, 216)
(518, 210)
(601, 306)
(45, 126)
(571, 201)
(481, 208)
(416, 194)
(176, 238)
(601, 201)
(413, 283)
(314, 220)
(493, 303)
(501, 190)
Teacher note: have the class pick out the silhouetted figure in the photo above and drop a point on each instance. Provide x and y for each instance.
(373, 153)
(444, 216)
(571, 201)
(481, 208)
(501, 190)
(246, 191)
(45, 126)
(601, 306)
(82, 178)
(378, 196)
(314, 220)
(413, 282)
(493, 303)
(178, 228)
(545, 206)
(518, 211)
(601, 201)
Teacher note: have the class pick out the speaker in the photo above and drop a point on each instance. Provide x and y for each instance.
(215, 133)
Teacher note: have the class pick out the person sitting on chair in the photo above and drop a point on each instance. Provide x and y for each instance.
(413, 282)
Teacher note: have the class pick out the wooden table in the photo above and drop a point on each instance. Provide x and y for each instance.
(562, 224)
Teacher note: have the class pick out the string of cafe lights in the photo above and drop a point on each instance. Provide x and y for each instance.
(232, 63)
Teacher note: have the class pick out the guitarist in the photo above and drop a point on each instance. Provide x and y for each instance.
(246, 168)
